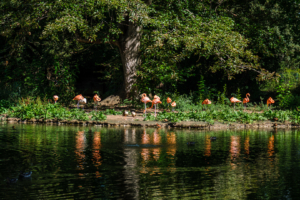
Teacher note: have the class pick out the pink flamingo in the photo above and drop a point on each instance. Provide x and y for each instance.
(145, 100)
(55, 98)
(173, 105)
(234, 100)
(169, 100)
(270, 101)
(96, 99)
(246, 100)
(155, 101)
(78, 98)
(206, 102)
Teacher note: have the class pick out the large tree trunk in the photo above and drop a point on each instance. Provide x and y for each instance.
(129, 46)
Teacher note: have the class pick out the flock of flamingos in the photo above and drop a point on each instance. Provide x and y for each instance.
(156, 100)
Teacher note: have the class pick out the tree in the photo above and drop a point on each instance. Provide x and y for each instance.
(155, 34)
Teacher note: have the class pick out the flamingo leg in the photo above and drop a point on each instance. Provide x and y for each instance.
(145, 109)
(78, 104)
(154, 110)
(234, 106)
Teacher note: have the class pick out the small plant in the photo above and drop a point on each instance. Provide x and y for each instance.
(112, 112)
(98, 116)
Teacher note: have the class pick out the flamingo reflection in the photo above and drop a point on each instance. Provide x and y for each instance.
(271, 146)
(156, 141)
(96, 149)
(247, 145)
(234, 147)
(207, 146)
(171, 140)
(145, 151)
(80, 146)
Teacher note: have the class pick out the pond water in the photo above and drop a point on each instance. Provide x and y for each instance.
(73, 162)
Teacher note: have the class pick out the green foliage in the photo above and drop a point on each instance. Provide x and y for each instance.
(126, 102)
(238, 94)
(112, 112)
(41, 109)
(97, 116)
(201, 88)
(284, 95)
(172, 36)
(4, 105)
(226, 115)
(222, 96)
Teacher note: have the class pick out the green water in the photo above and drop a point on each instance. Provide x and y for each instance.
(130, 163)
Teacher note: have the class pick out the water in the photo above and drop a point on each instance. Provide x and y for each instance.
(117, 163)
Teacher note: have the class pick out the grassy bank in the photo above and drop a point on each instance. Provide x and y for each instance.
(185, 111)
(227, 116)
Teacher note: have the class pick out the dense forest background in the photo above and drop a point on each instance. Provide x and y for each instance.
(203, 48)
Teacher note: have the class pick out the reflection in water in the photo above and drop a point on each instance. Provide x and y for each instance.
(207, 146)
(80, 146)
(247, 145)
(234, 150)
(145, 137)
(234, 147)
(171, 141)
(131, 174)
(172, 169)
(271, 146)
(156, 141)
(96, 152)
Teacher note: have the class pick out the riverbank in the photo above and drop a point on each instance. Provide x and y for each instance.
(138, 121)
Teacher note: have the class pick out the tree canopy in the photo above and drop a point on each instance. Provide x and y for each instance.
(153, 40)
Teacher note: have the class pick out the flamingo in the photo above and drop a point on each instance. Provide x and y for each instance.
(78, 98)
(206, 102)
(169, 100)
(173, 105)
(155, 101)
(246, 100)
(145, 100)
(55, 97)
(82, 101)
(234, 100)
(96, 99)
(270, 101)
(156, 97)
